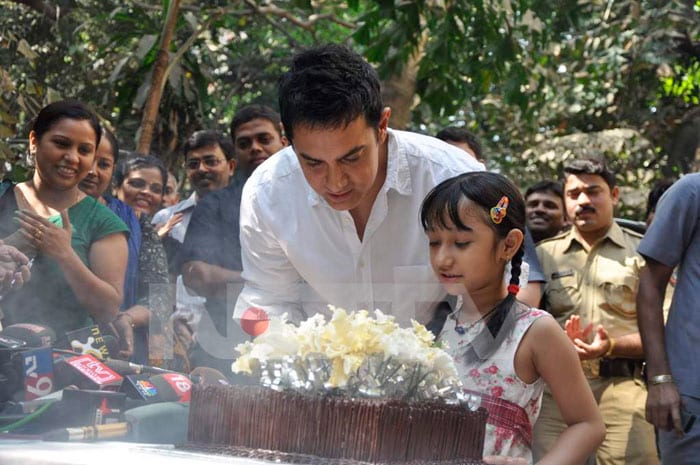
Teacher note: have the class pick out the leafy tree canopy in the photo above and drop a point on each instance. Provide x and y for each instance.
(517, 72)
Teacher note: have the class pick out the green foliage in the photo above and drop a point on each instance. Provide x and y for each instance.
(518, 72)
(684, 84)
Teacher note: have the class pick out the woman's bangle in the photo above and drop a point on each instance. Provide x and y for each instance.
(611, 348)
(660, 379)
(124, 314)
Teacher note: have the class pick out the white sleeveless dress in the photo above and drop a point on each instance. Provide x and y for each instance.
(508, 435)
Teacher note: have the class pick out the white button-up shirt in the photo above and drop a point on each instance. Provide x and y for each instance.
(299, 254)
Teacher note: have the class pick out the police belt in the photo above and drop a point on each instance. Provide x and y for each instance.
(612, 367)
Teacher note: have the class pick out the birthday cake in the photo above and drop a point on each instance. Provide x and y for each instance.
(355, 389)
(297, 428)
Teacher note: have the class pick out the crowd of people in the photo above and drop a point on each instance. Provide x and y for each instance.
(548, 307)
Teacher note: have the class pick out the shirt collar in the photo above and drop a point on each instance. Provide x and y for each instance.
(614, 235)
(398, 173)
(189, 202)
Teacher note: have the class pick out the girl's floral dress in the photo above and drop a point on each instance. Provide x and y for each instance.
(496, 378)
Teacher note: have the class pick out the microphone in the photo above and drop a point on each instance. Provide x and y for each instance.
(86, 372)
(33, 335)
(206, 376)
(88, 433)
(91, 341)
(168, 387)
(37, 370)
(128, 368)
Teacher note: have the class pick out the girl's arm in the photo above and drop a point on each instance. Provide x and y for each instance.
(555, 360)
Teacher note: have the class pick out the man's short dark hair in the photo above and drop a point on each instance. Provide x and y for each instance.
(455, 134)
(255, 111)
(209, 138)
(590, 166)
(547, 185)
(328, 87)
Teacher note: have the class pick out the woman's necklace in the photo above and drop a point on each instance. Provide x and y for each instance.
(463, 329)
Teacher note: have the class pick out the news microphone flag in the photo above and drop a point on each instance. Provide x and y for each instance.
(38, 372)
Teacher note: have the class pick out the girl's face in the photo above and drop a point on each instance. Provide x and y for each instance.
(468, 261)
(142, 190)
(99, 177)
(64, 153)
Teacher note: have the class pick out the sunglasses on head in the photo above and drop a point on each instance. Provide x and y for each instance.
(210, 162)
(138, 183)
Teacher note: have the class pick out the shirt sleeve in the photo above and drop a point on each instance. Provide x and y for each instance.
(108, 223)
(204, 228)
(674, 224)
(530, 257)
(270, 280)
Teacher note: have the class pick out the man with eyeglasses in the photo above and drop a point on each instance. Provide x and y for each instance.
(211, 253)
(210, 162)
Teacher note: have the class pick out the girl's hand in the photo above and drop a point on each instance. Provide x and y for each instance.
(501, 460)
(165, 228)
(45, 236)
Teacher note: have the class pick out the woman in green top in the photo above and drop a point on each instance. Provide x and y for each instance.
(78, 246)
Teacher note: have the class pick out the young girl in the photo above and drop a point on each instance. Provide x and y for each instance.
(504, 350)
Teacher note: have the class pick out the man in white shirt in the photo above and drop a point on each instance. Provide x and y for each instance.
(334, 219)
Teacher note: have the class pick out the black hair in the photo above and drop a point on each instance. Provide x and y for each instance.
(485, 189)
(208, 138)
(596, 166)
(660, 187)
(328, 87)
(135, 161)
(112, 139)
(547, 185)
(72, 109)
(455, 134)
(255, 111)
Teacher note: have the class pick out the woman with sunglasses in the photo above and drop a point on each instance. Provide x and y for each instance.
(139, 183)
(76, 245)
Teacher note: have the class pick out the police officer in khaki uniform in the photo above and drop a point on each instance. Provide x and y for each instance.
(592, 274)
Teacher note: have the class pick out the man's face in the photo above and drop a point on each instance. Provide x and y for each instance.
(208, 169)
(343, 164)
(545, 213)
(590, 203)
(255, 141)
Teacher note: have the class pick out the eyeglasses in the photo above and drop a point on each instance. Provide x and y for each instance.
(138, 183)
(210, 162)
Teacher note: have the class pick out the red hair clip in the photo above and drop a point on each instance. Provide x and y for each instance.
(513, 289)
(500, 210)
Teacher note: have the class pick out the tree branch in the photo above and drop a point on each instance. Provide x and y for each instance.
(308, 25)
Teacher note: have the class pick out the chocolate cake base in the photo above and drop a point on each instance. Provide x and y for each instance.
(251, 420)
(302, 459)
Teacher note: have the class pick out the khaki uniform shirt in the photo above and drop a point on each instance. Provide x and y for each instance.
(598, 284)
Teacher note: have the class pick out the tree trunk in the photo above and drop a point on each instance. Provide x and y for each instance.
(150, 109)
(399, 92)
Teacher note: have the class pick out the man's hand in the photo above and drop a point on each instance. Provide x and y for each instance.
(14, 267)
(123, 328)
(664, 407)
(597, 348)
(572, 327)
